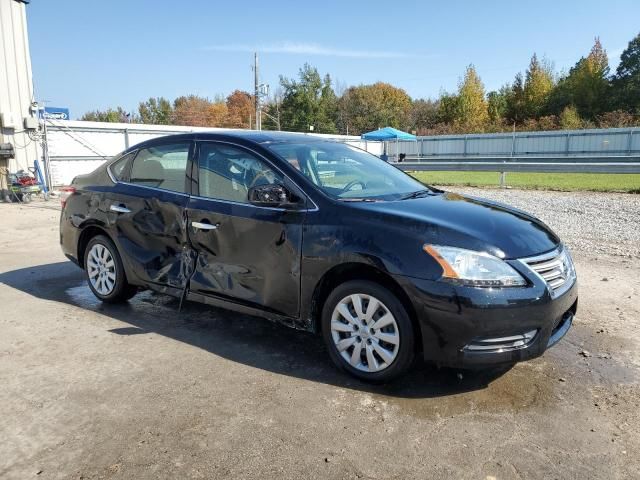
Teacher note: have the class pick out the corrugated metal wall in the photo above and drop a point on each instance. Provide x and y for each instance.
(612, 141)
(16, 85)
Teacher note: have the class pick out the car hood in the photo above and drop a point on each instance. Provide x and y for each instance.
(468, 222)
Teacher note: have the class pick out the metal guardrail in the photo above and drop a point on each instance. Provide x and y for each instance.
(590, 164)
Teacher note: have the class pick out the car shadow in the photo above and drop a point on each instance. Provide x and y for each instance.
(241, 338)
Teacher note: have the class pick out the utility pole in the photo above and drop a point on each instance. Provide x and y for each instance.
(256, 95)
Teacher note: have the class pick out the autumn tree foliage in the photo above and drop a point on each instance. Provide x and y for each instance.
(537, 87)
(240, 109)
(368, 107)
(471, 112)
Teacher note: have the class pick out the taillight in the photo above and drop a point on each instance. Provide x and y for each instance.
(65, 193)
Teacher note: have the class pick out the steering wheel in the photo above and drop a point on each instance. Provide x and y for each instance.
(353, 183)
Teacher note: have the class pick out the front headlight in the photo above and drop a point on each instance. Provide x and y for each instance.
(474, 269)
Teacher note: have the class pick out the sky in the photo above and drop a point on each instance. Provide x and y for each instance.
(89, 55)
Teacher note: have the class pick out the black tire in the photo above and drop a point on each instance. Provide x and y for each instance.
(406, 348)
(122, 290)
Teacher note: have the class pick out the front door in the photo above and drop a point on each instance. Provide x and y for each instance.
(148, 210)
(245, 253)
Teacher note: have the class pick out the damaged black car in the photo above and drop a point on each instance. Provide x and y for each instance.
(324, 237)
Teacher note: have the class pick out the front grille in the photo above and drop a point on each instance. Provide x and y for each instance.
(555, 268)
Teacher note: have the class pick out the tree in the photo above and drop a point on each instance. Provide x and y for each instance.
(240, 108)
(538, 85)
(271, 119)
(626, 82)
(156, 111)
(516, 110)
(217, 114)
(447, 108)
(368, 107)
(308, 102)
(117, 115)
(196, 111)
(191, 110)
(618, 119)
(471, 113)
(497, 105)
(586, 86)
(423, 115)
(570, 119)
(592, 83)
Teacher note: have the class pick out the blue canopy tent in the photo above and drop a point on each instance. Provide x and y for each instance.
(387, 134)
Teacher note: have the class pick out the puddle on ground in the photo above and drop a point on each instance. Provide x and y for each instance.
(83, 297)
(425, 392)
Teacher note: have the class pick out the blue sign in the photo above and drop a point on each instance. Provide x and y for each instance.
(55, 113)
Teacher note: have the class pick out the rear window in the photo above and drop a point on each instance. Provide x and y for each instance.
(120, 168)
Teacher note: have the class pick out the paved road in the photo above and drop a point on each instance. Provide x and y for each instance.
(142, 391)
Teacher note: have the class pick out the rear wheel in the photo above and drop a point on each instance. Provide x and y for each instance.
(105, 273)
(368, 331)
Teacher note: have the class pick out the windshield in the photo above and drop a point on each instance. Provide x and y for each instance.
(347, 173)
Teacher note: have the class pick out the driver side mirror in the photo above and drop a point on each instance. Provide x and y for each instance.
(272, 195)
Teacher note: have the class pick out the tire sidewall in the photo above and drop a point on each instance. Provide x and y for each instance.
(119, 290)
(406, 352)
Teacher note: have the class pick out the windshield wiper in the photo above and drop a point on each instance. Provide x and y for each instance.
(418, 194)
(358, 199)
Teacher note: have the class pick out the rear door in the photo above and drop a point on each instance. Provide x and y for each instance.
(148, 210)
(246, 253)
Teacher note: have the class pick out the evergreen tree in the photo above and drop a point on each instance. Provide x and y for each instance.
(626, 82)
(308, 102)
(497, 105)
(516, 112)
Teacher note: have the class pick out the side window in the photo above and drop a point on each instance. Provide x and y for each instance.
(227, 173)
(119, 168)
(162, 166)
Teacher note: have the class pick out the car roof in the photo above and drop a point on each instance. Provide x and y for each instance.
(270, 136)
(254, 136)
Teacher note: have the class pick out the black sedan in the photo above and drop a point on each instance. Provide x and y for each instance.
(324, 237)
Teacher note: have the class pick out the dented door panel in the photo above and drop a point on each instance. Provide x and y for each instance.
(251, 257)
(153, 234)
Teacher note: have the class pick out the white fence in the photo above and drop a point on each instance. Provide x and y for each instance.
(77, 147)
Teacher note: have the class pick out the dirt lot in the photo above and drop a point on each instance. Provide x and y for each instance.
(142, 391)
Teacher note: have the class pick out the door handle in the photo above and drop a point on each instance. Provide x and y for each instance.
(119, 209)
(204, 226)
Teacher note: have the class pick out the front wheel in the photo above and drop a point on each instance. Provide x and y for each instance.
(368, 331)
(105, 273)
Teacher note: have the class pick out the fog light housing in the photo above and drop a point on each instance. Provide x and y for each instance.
(501, 344)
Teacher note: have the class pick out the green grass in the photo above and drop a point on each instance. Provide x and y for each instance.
(628, 183)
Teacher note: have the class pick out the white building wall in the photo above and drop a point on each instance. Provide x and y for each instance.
(16, 83)
(77, 147)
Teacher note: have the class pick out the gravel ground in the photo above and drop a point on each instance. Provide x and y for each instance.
(589, 222)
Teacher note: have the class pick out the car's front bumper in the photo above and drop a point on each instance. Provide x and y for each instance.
(467, 327)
